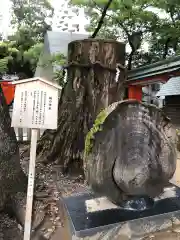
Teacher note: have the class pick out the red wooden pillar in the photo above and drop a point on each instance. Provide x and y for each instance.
(135, 92)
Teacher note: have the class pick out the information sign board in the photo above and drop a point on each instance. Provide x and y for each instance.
(35, 106)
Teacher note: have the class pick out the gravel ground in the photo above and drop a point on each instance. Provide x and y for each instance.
(50, 224)
(9, 229)
(171, 234)
(51, 185)
(47, 179)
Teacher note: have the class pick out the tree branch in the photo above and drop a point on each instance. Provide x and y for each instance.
(166, 48)
(129, 65)
(175, 39)
(129, 36)
(101, 21)
(117, 21)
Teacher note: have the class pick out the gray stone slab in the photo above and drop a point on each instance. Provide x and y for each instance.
(109, 224)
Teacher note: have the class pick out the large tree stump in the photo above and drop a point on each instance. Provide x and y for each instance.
(130, 151)
(90, 87)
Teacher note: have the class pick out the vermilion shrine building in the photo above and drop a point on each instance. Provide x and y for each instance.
(159, 72)
(159, 79)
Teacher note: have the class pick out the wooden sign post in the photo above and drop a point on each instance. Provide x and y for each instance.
(35, 107)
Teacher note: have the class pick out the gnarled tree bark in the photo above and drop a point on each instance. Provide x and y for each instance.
(12, 178)
(90, 87)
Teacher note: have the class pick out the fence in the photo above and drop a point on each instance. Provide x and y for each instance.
(24, 134)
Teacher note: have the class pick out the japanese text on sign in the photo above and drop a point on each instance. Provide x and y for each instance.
(35, 108)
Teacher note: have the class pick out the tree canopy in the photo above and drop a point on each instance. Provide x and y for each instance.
(150, 29)
(139, 22)
(32, 15)
(30, 21)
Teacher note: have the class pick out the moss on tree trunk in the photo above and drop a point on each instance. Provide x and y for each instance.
(90, 87)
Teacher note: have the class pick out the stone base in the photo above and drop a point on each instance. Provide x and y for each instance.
(97, 218)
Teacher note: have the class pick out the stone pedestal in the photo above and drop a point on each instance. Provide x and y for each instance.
(94, 218)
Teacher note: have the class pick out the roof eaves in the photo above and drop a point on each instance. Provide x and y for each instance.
(37, 79)
(145, 75)
(170, 64)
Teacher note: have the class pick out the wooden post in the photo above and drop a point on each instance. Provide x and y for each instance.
(135, 92)
(28, 134)
(38, 134)
(30, 191)
(20, 134)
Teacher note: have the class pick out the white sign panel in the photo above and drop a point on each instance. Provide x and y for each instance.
(35, 106)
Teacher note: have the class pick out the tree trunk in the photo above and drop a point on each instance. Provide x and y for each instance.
(12, 178)
(90, 87)
(133, 154)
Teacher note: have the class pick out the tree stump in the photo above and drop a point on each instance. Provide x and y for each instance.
(130, 151)
(90, 87)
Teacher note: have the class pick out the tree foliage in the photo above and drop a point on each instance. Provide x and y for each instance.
(32, 55)
(34, 16)
(58, 61)
(14, 60)
(156, 23)
(30, 21)
(8, 55)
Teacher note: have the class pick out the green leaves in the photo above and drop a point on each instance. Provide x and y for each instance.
(58, 61)
(32, 55)
(3, 65)
(159, 22)
(31, 19)
(7, 52)
(33, 16)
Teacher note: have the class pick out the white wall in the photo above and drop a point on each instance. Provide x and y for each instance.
(150, 95)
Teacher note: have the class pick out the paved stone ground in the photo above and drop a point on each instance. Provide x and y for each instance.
(174, 233)
(177, 173)
(68, 186)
